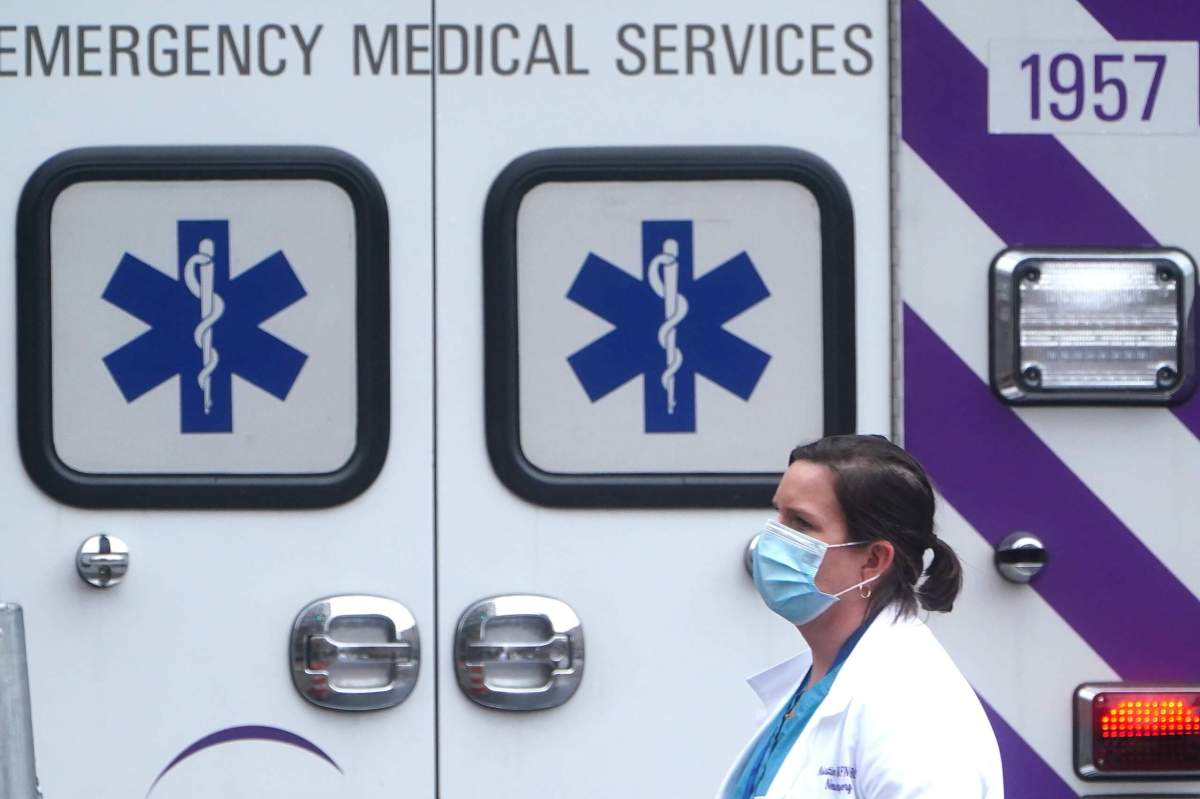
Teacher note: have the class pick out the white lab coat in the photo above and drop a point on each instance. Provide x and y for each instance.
(899, 722)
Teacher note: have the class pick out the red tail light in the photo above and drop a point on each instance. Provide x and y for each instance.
(1127, 730)
(1151, 715)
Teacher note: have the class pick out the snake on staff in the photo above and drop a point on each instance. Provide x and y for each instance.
(198, 276)
(663, 274)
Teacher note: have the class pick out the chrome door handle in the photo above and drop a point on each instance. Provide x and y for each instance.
(519, 652)
(323, 650)
(355, 652)
(556, 651)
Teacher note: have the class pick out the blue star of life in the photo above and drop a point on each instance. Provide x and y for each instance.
(204, 327)
(668, 327)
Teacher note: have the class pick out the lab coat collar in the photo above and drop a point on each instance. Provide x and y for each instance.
(780, 681)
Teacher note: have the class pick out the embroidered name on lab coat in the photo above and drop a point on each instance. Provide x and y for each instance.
(838, 778)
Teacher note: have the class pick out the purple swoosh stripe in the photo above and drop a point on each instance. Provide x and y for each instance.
(1001, 477)
(1028, 189)
(1161, 20)
(248, 732)
(1025, 773)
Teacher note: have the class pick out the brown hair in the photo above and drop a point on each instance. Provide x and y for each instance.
(886, 496)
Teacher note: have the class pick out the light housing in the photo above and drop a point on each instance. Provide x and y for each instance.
(1137, 730)
(1092, 326)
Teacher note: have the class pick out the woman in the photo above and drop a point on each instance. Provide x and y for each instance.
(876, 709)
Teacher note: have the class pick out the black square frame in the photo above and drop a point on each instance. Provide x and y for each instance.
(501, 378)
(200, 490)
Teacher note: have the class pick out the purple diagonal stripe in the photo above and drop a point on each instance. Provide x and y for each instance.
(1153, 20)
(250, 732)
(1025, 773)
(1027, 188)
(999, 475)
(1161, 20)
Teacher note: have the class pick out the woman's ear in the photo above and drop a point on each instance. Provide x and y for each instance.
(880, 555)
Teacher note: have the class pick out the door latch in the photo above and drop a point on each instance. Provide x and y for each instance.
(355, 653)
(519, 652)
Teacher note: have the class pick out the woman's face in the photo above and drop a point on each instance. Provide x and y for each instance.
(805, 501)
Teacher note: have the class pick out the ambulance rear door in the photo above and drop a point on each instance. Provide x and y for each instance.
(675, 223)
(223, 397)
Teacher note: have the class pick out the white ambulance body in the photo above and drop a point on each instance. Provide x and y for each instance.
(495, 328)
(1081, 209)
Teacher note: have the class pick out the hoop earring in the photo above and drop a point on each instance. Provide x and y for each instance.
(867, 595)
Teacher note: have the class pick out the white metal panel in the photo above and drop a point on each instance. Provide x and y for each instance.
(1006, 658)
(1163, 205)
(195, 639)
(672, 621)
(1028, 658)
(1149, 455)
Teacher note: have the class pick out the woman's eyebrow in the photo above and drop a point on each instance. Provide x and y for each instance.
(804, 520)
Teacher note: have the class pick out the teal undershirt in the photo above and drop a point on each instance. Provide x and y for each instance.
(777, 740)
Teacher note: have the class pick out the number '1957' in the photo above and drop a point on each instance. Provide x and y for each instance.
(1108, 85)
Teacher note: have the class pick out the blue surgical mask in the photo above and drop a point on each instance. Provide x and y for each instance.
(785, 569)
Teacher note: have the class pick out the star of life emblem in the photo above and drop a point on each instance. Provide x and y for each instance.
(204, 326)
(668, 327)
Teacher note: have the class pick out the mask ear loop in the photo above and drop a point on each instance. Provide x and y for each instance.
(865, 583)
(860, 587)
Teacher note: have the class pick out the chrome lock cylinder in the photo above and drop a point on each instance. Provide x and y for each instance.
(1020, 556)
(102, 560)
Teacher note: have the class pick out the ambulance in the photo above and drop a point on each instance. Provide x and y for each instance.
(396, 389)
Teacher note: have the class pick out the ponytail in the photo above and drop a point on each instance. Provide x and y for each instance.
(943, 579)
